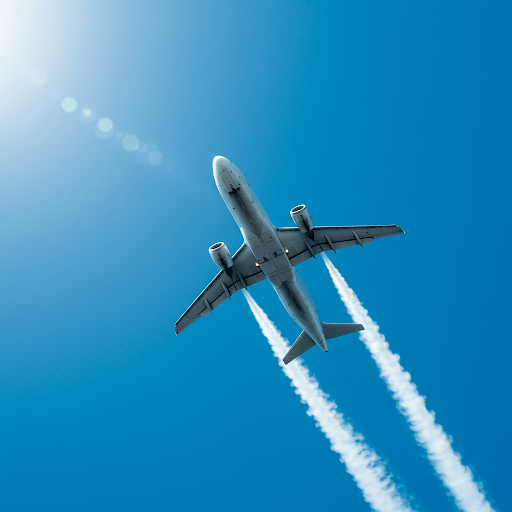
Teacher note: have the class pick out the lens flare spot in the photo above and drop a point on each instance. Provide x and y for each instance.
(105, 124)
(88, 114)
(130, 142)
(155, 158)
(104, 128)
(69, 105)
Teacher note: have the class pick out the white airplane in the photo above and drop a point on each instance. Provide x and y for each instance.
(272, 253)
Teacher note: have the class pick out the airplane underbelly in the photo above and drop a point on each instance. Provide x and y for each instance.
(293, 301)
(259, 233)
(299, 304)
(269, 253)
(243, 209)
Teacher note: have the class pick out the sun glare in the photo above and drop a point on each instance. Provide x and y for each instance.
(16, 34)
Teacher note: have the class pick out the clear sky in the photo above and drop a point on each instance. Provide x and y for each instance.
(367, 113)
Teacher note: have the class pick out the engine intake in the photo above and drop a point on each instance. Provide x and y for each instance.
(221, 256)
(302, 219)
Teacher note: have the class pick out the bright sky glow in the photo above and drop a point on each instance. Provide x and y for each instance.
(37, 77)
(16, 32)
(69, 105)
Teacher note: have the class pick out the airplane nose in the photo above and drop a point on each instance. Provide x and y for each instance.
(225, 173)
(220, 164)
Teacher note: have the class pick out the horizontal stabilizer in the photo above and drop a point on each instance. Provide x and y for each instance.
(304, 342)
(337, 330)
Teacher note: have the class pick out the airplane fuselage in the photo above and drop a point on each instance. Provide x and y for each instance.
(260, 235)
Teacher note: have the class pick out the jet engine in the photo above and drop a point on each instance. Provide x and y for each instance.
(302, 219)
(220, 255)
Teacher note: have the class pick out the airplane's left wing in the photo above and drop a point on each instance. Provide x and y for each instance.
(242, 274)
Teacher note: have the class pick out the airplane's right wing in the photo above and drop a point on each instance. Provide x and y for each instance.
(244, 273)
(326, 238)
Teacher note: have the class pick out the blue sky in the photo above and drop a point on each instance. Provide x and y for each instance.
(368, 114)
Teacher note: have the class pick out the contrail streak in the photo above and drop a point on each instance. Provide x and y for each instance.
(362, 462)
(456, 477)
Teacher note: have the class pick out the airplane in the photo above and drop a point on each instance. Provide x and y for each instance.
(273, 253)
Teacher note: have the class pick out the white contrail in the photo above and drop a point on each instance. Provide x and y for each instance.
(362, 462)
(456, 477)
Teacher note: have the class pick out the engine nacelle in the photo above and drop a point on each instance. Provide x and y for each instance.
(220, 255)
(302, 219)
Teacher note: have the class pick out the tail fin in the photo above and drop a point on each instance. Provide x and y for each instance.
(304, 341)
